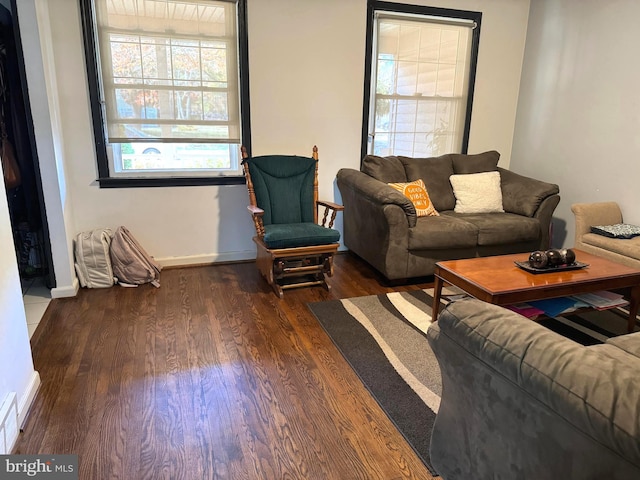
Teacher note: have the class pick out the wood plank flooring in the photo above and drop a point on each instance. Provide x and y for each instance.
(210, 376)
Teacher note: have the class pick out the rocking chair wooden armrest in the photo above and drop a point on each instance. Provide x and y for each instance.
(256, 211)
(256, 215)
(334, 206)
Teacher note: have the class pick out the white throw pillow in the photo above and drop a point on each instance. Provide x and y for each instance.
(477, 192)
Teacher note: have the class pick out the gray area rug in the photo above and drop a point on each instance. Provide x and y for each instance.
(391, 356)
(590, 327)
(383, 339)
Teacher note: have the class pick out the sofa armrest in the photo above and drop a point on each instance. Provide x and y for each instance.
(377, 220)
(544, 213)
(629, 343)
(589, 214)
(524, 195)
(598, 395)
(374, 191)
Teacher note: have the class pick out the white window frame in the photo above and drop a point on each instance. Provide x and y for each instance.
(454, 137)
(109, 141)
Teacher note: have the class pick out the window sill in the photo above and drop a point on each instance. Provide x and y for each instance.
(112, 182)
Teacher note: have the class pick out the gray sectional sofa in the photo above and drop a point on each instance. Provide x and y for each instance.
(381, 225)
(522, 402)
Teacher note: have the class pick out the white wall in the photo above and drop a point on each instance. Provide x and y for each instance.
(40, 68)
(579, 112)
(17, 373)
(16, 366)
(306, 72)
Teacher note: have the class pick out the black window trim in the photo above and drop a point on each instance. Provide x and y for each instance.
(376, 5)
(107, 181)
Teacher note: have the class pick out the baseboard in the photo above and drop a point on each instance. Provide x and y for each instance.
(66, 291)
(190, 260)
(210, 259)
(25, 402)
(9, 429)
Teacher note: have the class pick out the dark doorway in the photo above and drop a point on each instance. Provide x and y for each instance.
(18, 151)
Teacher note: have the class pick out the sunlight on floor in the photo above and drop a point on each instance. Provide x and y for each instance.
(36, 298)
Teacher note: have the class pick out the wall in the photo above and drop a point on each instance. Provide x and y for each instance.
(579, 112)
(40, 69)
(306, 78)
(16, 366)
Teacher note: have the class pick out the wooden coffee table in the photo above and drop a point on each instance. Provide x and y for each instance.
(499, 281)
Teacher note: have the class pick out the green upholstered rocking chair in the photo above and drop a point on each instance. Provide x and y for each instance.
(293, 249)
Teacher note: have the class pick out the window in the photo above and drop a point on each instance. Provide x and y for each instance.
(168, 81)
(419, 76)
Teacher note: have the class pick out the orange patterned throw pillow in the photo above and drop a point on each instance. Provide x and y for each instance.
(416, 191)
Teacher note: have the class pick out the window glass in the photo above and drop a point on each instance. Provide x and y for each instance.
(422, 64)
(168, 85)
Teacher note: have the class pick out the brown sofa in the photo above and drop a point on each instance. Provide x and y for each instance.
(381, 225)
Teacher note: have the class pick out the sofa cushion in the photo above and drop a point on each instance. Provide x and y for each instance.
(385, 169)
(627, 247)
(523, 195)
(627, 343)
(480, 162)
(283, 187)
(417, 193)
(442, 233)
(298, 235)
(501, 228)
(435, 173)
(477, 192)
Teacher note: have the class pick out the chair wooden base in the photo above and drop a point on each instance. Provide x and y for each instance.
(285, 268)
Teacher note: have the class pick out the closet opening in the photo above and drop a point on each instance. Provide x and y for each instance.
(18, 152)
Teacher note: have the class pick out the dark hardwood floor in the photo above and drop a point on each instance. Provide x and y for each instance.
(210, 376)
